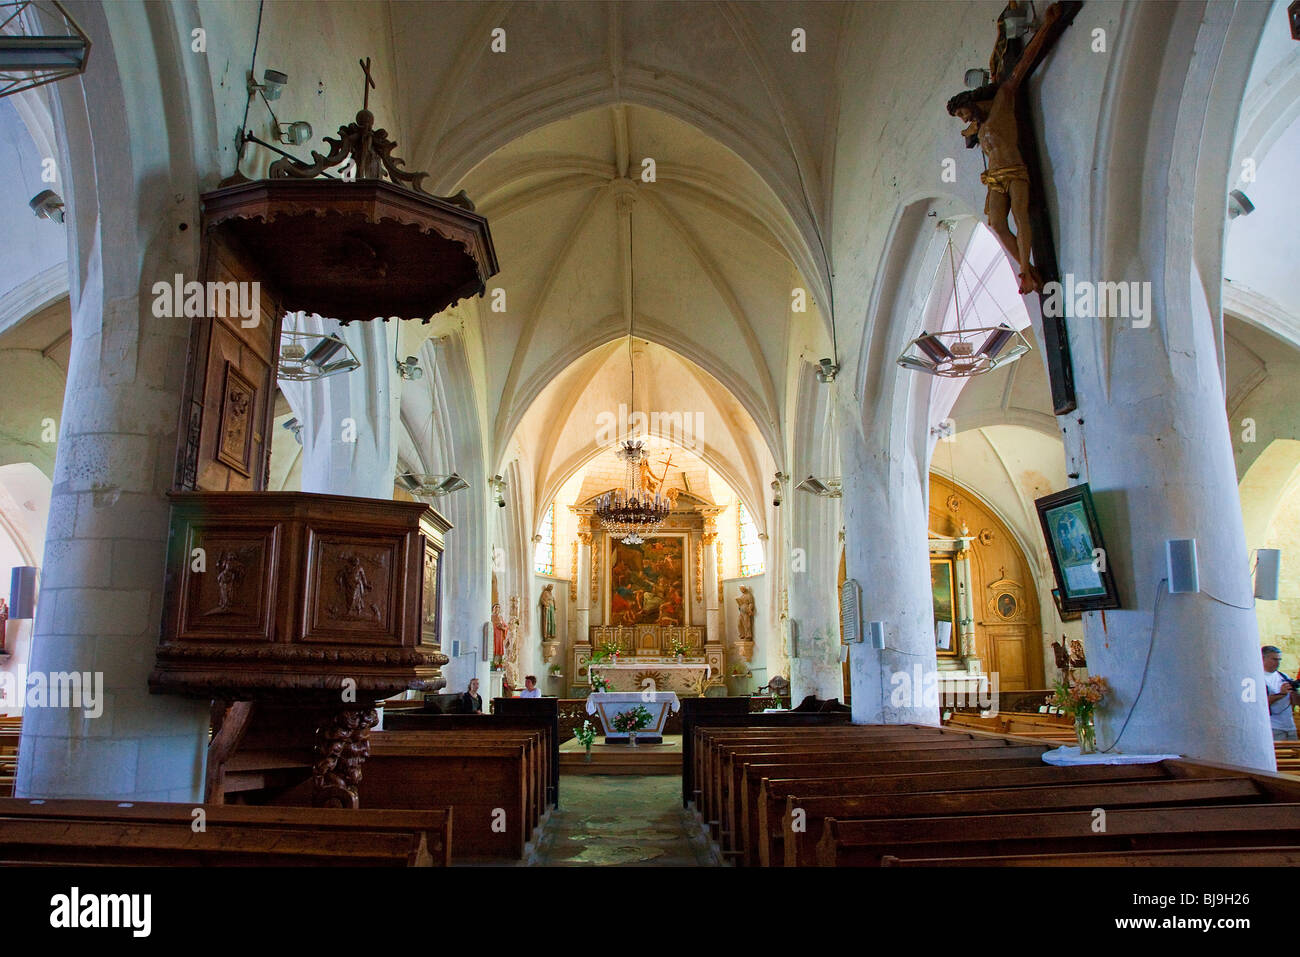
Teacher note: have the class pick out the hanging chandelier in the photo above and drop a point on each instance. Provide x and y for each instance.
(632, 511)
(964, 351)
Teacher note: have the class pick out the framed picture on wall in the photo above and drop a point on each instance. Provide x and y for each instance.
(943, 589)
(1080, 559)
(1062, 613)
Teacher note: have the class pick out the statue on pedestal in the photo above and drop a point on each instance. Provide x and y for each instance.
(745, 623)
(499, 629)
(548, 613)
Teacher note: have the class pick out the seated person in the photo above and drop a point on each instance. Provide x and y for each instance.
(530, 687)
(471, 701)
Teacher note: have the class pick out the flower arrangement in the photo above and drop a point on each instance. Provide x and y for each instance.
(555, 670)
(1080, 699)
(585, 735)
(608, 650)
(497, 663)
(598, 683)
(679, 650)
(633, 719)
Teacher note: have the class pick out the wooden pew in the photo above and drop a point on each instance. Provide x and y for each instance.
(148, 834)
(867, 842)
(1267, 856)
(800, 847)
(492, 781)
(9, 735)
(709, 772)
(773, 792)
(743, 840)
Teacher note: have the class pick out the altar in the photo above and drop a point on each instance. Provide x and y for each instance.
(642, 673)
(606, 705)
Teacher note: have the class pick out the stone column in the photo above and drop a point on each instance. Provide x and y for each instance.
(350, 419)
(885, 521)
(813, 599)
(714, 630)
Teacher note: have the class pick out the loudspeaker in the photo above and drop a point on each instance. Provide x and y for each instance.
(1268, 567)
(455, 647)
(794, 638)
(844, 653)
(486, 644)
(877, 629)
(1180, 559)
(22, 592)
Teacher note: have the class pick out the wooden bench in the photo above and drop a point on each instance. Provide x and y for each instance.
(1267, 856)
(148, 834)
(773, 792)
(800, 846)
(493, 781)
(867, 842)
(9, 735)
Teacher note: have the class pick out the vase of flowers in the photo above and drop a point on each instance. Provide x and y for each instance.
(631, 721)
(679, 650)
(598, 683)
(585, 735)
(1080, 699)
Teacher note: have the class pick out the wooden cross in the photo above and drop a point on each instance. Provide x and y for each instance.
(369, 84)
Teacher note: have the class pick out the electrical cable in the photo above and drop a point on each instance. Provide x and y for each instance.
(252, 72)
(1155, 620)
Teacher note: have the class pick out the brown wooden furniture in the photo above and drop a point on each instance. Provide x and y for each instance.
(494, 781)
(145, 833)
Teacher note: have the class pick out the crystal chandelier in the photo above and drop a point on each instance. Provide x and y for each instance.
(632, 510)
(966, 350)
(629, 511)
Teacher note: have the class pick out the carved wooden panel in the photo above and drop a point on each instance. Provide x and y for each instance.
(227, 582)
(353, 589)
(431, 598)
(237, 429)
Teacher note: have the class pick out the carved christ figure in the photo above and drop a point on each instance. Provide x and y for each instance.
(548, 612)
(745, 624)
(990, 116)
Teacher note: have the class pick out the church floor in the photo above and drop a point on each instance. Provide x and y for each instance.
(628, 820)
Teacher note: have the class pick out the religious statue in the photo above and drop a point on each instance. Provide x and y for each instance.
(1077, 658)
(498, 632)
(745, 624)
(548, 613)
(990, 116)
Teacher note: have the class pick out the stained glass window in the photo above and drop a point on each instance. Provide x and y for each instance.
(751, 549)
(544, 554)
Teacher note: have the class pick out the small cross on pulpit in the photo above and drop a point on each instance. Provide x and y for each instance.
(369, 84)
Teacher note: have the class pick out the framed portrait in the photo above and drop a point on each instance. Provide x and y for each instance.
(1080, 559)
(943, 580)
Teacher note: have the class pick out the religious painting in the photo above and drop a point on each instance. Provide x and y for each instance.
(943, 590)
(1061, 612)
(1078, 553)
(647, 581)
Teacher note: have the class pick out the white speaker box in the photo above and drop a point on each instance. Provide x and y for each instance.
(1180, 559)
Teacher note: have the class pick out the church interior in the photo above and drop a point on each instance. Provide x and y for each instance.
(720, 434)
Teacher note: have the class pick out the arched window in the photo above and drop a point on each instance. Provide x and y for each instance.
(544, 554)
(751, 549)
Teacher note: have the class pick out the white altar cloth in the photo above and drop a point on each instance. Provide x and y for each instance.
(1070, 757)
(608, 704)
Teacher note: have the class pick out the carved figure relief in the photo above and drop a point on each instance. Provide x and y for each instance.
(231, 568)
(235, 434)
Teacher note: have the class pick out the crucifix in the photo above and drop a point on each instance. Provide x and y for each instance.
(997, 118)
(369, 84)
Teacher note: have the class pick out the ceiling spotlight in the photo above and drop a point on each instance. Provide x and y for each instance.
(975, 78)
(827, 370)
(293, 134)
(47, 205)
(830, 488)
(1239, 204)
(272, 85)
(410, 369)
(294, 426)
(498, 490)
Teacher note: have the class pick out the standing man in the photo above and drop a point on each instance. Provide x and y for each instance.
(1281, 693)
